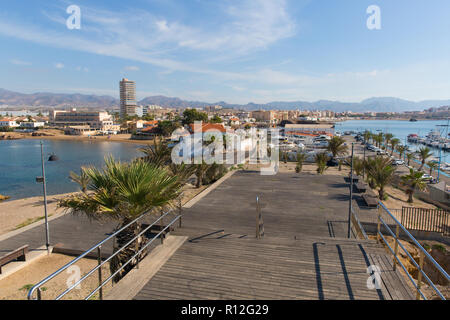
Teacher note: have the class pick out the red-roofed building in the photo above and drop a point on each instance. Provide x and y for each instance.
(210, 127)
(9, 123)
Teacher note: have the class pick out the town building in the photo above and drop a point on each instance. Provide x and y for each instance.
(8, 123)
(128, 105)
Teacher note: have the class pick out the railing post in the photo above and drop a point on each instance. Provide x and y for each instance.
(39, 297)
(379, 224)
(419, 277)
(161, 236)
(180, 211)
(397, 232)
(99, 260)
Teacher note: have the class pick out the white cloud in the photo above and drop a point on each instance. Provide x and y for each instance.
(59, 65)
(20, 62)
(132, 68)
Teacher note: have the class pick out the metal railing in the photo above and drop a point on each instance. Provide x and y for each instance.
(423, 253)
(356, 226)
(97, 247)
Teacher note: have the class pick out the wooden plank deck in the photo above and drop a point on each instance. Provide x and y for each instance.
(300, 257)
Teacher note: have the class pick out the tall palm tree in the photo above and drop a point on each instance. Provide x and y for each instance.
(159, 154)
(337, 146)
(301, 157)
(409, 156)
(367, 136)
(82, 179)
(378, 138)
(401, 150)
(380, 173)
(433, 166)
(424, 154)
(358, 166)
(414, 181)
(387, 138)
(200, 170)
(394, 143)
(321, 160)
(122, 192)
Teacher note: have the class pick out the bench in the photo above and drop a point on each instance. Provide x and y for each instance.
(360, 187)
(18, 254)
(370, 200)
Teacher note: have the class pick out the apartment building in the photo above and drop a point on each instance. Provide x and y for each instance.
(128, 106)
(96, 120)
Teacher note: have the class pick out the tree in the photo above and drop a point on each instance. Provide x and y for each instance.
(192, 115)
(401, 150)
(394, 143)
(414, 181)
(200, 170)
(216, 119)
(82, 179)
(378, 139)
(122, 192)
(159, 154)
(367, 136)
(301, 157)
(433, 166)
(424, 154)
(167, 127)
(321, 160)
(380, 173)
(409, 156)
(337, 146)
(358, 166)
(387, 138)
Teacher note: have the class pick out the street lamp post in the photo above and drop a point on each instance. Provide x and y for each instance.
(350, 206)
(42, 180)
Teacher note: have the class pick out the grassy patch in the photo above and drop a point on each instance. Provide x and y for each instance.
(27, 287)
(30, 221)
(440, 247)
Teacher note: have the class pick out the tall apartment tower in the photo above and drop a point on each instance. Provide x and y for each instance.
(127, 98)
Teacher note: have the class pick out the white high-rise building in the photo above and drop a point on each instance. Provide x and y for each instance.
(127, 98)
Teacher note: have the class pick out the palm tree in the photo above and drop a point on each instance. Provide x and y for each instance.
(433, 166)
(409, 156)
(358, 166)
(401, 150)
(424, 154)
(200, 170)
(414, 180)
(337, 146)
(122, 192)
(321, 161)
(380, 173)
(182, 171)
(159, 154)
(82, 179)
(394, 143)
(367, 135)
(378, 138)
(387, 138)
(301, 157)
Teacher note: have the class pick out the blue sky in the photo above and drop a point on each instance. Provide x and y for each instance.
(237, 51)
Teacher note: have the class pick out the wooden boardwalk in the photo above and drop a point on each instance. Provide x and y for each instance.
(303, 255)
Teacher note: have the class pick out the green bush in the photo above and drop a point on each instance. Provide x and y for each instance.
(214, 173)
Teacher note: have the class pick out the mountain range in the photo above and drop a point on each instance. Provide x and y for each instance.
(381, 104)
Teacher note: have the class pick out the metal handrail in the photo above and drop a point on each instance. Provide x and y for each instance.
(423, 253)
(361, 229)
(98, 246)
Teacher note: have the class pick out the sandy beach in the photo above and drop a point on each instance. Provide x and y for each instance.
(22, 212)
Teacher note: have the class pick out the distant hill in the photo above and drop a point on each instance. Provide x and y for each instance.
(382, 104)
(55, 99)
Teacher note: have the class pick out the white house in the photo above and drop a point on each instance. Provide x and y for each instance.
(31, 124)
(9, 123)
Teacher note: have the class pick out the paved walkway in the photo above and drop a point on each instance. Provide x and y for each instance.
(304, 254)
